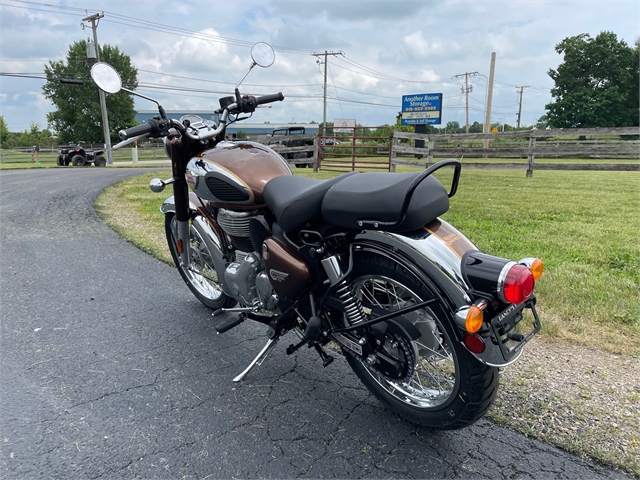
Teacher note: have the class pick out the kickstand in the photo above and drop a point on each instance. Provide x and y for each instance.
(259, 358)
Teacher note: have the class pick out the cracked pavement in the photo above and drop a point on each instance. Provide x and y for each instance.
(110, 368)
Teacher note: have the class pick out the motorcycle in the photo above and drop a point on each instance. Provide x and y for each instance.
(360, 265)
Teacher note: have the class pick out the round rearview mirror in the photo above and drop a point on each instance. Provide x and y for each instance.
(106, 77)
(263, 55)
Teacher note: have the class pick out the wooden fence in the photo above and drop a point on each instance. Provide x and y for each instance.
(603, 143)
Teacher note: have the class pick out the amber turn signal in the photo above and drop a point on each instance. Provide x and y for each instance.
(536, 268)
(474, 319)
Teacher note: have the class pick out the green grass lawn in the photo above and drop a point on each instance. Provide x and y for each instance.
(585, 226)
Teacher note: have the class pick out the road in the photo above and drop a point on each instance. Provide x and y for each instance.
(110, 368)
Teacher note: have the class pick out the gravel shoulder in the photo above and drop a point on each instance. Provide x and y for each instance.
(584, 400)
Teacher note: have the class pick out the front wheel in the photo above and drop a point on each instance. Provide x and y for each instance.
(201, 276)
(444, 386)
(100, 161)
(78, 161)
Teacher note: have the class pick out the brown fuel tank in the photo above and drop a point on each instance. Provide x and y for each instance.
(232, 175)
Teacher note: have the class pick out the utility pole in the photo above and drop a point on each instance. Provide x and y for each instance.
(94, 19)
(466, 90)
(487, 117)
(520, 101)
(320, 62)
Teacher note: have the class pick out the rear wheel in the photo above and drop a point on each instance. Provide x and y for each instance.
(445, 386)
(78, 161)
(201, 276)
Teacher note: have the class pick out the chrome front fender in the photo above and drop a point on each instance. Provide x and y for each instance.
(211, 239)
(169, 205)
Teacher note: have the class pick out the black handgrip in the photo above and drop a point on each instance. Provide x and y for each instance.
(156, 127)
(142, 129)
(275, 97)
(73, 81)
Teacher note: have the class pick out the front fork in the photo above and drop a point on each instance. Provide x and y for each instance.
(179, 157)
(183, 244)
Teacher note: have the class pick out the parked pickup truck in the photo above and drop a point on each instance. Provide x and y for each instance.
(286, 137)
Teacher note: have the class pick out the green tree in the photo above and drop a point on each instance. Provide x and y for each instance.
(454, 127)
(4, 132)
(542, 122)
(596, 85)
(476, 127)
(77, 116)
(34, 136)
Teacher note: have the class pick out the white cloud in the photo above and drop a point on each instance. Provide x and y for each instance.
(40, 101)
(420, 47)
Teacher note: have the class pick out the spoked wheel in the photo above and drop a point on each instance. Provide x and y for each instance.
(443, 385)
(201, 276)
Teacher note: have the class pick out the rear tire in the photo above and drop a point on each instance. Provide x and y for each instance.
(449, 388)
(201, 284)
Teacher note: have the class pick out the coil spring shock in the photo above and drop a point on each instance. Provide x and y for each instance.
(352, 306)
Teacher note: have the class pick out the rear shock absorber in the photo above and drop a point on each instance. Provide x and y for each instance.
(352, 306)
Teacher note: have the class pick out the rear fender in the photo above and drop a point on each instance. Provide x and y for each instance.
(433, 253)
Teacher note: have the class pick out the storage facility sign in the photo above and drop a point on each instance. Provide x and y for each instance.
(344, 125)
(422, 108)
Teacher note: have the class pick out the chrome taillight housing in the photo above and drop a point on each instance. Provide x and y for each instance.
(507, 280)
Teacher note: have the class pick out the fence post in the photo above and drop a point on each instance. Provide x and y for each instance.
(531, 157)
(134, 153)
(316, 147)
(394, 154)
(430, 147)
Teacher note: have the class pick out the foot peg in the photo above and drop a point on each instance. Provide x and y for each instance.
(229, 324)
(220, 311)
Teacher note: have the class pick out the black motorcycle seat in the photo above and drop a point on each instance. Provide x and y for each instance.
(379, 197)
(297, 200)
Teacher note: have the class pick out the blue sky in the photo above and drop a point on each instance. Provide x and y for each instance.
(392, 48)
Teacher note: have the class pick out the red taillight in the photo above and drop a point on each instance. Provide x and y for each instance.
(517, 284)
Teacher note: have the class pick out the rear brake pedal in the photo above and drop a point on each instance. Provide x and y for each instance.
(229, 324)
